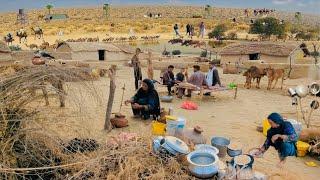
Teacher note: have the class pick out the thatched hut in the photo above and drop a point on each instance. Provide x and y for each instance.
(94, 51)
(5, 52)
(267, 52)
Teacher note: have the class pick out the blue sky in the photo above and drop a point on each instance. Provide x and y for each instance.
(306, 6)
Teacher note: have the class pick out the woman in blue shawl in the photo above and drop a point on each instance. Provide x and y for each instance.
(146, 101)
(281, 136)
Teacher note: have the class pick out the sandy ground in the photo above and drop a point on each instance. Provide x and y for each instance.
(219, 116)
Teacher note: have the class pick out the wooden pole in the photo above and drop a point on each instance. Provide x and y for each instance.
(112, 75)
(150, 66)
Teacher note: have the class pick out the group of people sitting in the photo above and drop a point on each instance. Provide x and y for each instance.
(197, 79)
(146, 104)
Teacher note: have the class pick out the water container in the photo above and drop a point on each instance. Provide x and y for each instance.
(266, 126)
(171, 127)
(181, 124)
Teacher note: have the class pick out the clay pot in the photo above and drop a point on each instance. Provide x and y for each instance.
(38, 61)
(119, 121)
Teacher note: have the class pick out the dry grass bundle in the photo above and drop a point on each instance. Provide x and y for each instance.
(32, 149)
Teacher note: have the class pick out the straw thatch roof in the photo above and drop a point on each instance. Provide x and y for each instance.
(89, 47)
(267, 48)
(4, 48)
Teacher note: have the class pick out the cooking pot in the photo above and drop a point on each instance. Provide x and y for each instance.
(302, 91)
(156, 144)
(234, 152)
(292, 92)
(314, 88)
(221, 143)
(234, 162)
(174, 146)
(203, 164)
(207, 148)
(38, 61)
(314, 104)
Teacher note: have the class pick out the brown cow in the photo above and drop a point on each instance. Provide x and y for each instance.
(274, 74)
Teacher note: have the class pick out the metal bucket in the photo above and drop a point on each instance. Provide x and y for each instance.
(222, 144)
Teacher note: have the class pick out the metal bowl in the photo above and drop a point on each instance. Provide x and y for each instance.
(166, 98)
(314, 88)
(207, 148)
(203, 164)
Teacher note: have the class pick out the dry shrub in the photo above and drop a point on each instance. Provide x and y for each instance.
(33, 148)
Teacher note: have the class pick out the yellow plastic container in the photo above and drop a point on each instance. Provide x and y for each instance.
(302, 148)
(158, 128)
(266, 126)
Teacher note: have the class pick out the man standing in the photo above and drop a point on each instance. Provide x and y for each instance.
(202, 29)
(188, 27)
(213, 76)
(168, 79)
(176, 30)
(135, 62)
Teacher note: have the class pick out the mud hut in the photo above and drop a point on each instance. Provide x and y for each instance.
(94, 51)
(267, 52)
(5, 52)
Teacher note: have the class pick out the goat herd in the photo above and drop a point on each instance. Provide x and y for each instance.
(131, 38)
(255, 73)
(191, 42)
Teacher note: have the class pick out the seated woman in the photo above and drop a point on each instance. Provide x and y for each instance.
(146, 101)
(281, 136)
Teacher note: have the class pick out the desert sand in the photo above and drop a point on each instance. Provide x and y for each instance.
(218, 116)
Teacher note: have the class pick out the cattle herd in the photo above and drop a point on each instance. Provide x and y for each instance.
(255, 73)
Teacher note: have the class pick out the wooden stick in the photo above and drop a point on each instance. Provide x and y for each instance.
(123, 89)
(112, 74)
(150, 66)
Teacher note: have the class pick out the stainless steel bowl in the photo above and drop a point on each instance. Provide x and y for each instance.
(203, 164)
(314, 88)
(207, 148)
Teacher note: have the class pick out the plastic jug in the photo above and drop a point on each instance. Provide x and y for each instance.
(266, 126)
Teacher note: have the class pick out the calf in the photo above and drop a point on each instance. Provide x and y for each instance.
(274, 75)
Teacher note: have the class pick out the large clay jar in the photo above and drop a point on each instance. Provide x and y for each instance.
(119, 121)
(38, 61)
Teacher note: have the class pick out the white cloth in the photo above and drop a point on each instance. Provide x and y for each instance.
(209, 77)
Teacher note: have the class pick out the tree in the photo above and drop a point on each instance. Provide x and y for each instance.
(218, 32)
(268, 26)
(49, 7)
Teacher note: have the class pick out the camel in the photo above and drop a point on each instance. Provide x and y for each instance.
(253, 73)
(274, 75)
(22, 34)
(44, 45)
(37, 32)
(8, 39)
(32, 46)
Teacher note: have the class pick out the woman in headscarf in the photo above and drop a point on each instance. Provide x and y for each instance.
(281, 136)
(146, 101)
